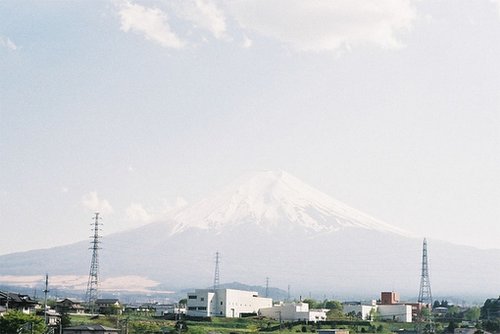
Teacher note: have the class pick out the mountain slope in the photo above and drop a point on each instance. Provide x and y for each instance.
(273, 225)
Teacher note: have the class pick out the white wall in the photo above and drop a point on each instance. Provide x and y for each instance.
(228, 303)
(292, 312)
(397, 312)
(200, 303)
(237, 302)
(357, 308)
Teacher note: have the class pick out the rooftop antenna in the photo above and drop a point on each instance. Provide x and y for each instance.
(425, 295)
(92, 292)
(216, 274)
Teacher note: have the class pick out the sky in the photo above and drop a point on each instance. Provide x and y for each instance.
(135, 108)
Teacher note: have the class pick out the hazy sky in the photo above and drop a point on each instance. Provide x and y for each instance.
(391, 106)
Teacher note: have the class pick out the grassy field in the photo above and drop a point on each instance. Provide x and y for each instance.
(148, 325)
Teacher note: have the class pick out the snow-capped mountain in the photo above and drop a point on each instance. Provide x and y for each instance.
(270, 224)
(275, 199)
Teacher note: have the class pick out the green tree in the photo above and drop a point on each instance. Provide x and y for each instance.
(312, 303)
(491, 309)
(472, 314)
(453, 313)
(18, 322)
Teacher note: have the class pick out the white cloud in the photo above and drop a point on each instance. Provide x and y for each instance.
(136, 212)
(152, 22)
(7, 43)
(204, 14)
(92, 202)
(325, 25)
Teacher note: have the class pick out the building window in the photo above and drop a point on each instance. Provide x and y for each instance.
(192, 308)
(202, 299)
(202, 308)
(221, 303)
(192, 297)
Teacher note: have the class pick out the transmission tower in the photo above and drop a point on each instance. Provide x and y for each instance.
(425, 295)
(267, 287)
(216, 274)
(45, 292)
(92, 292)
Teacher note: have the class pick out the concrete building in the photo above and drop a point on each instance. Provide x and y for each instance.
(361, 310)
(229, 303)
(389, 298)
(395, 312)
(389, 308)
(293, 312)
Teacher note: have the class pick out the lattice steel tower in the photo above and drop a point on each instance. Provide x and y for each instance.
(216, 274)
(425, 295)
(92, 292)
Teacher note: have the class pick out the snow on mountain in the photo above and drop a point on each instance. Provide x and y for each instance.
(271, 200)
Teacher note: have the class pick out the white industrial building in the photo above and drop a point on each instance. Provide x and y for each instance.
(390, 308)
(227, 303)
(359, 309)
(293, 312)
(395, 312)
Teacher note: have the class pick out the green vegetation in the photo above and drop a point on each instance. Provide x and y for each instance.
(18, 322)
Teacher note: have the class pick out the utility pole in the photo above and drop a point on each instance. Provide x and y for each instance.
(267, 287)
(92, 292)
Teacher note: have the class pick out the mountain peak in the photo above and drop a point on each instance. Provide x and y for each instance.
(274, 200)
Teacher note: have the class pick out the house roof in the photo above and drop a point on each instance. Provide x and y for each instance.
(91, 328)
(17, 298)
(72, 300)
(107, 301)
